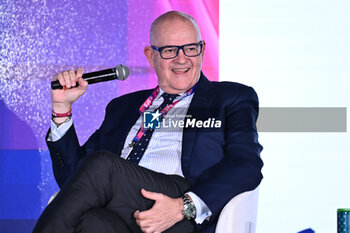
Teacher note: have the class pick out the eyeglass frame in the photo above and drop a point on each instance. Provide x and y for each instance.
(160, 49)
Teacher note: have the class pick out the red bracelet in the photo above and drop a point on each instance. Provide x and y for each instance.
(67, 114)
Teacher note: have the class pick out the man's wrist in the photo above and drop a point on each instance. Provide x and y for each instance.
(189, 209)
(60, 116)
(181, 207)
(61, 107)
(61, 120)
(202, 210)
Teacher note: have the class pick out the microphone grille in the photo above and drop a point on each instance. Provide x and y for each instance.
(122, 72)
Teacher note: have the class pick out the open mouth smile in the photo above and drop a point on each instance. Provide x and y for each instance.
(180, 70)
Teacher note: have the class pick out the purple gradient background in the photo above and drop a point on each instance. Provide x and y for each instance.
(40, 38)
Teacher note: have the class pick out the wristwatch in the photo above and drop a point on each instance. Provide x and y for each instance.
(189, 210)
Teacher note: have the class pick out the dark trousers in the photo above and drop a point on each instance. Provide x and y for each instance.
(104, 193)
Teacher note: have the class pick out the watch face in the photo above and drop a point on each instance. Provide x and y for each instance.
(189, 210)
(192, 210)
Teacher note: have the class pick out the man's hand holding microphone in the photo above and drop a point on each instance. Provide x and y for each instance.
(68, 86)
(62, 99)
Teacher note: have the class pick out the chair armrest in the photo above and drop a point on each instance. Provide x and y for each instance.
(239, 214)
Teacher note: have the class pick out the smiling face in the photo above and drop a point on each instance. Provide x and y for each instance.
(179, 74)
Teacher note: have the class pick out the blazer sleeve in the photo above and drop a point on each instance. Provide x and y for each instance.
(66, 153)
(240, 168)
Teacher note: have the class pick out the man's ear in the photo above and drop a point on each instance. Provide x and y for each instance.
(203, 49)
(149, 54)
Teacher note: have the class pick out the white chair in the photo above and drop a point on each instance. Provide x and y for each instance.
(239, 214)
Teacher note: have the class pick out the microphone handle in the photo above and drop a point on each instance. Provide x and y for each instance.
(93, 77)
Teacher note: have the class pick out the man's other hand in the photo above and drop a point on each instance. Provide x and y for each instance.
(165, 212)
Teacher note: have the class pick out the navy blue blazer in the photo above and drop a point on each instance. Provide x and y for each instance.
(218, 163)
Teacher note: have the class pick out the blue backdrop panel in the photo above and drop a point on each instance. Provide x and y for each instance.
(19, 179)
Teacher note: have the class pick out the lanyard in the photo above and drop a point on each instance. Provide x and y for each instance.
(163, 111)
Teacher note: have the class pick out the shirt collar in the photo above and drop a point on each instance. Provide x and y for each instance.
(180, 95)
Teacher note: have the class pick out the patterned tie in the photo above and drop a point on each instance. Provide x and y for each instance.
(140, 147)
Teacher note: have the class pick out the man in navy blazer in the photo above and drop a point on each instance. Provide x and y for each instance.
(216, 163)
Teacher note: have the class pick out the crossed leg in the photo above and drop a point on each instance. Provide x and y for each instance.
(105, 190)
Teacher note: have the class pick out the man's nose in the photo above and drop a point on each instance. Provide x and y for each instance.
(181, 57)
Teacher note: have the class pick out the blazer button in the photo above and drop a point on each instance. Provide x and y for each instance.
(58, 155)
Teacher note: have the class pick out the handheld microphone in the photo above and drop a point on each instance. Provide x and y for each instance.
(120, 72)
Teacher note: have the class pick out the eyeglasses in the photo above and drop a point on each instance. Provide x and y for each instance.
(171, 51)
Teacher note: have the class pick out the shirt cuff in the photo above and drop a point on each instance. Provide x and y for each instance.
(202, 210)
(58, 132)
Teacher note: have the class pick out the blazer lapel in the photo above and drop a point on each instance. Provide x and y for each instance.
(129, 119)
(202, 98)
